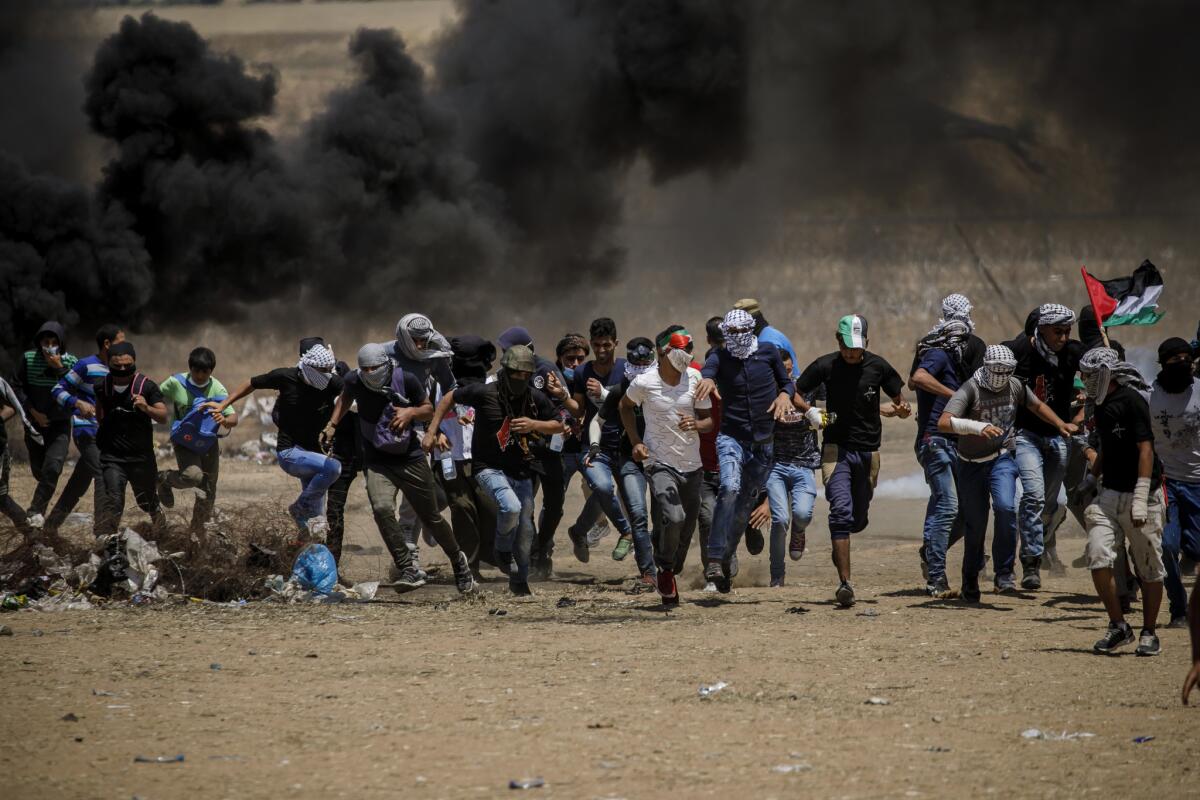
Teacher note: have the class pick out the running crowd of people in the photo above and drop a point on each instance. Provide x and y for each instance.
(668, 445)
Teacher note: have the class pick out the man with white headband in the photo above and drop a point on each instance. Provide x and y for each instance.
(1129, 508)
(855, 382)
(1047, 361)
(307, 393)
(669, 450)
(982, 415)
(755, 390)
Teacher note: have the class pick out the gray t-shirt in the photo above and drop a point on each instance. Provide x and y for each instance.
(1175, 420)
(972, 401)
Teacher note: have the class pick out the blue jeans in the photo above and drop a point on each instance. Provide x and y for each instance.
(600, 480)
(514, 515)
(316, 472)
(1042, 462)
(744, 470)
(1181, 533)
(979, 483)
(633, 492)
(791, 494)
(938, 456)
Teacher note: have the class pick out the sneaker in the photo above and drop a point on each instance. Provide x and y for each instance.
(796, 545)
(464, 580)
(921, 552)
(598, 531)
(714, 574)
(667, 587)
(776, 583)
(644, 584)
(845, 594)
(518, 588)
(579, 546)
(1031, 579)
(1118, 635)
(35, 521)
(1147, 644)
(541, 567)
(709, 587)
(733, 566)
(166, 497)
(937, 588)
(318, 528)
(624, 545)
(970, 590)
(754, 541)
(1178, 622)
(505, 563)
(1005, 584)
(410, 578)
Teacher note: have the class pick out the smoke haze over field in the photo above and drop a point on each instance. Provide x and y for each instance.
(808, 153)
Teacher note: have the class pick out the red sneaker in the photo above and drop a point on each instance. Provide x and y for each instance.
(667, 587)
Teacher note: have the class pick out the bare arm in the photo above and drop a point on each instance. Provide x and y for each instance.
(1145, 459)
(245, 390)
(704, 420)
(439, 413)
(1047, 415)
(922, 379)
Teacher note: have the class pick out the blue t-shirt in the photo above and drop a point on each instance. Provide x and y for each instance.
(773, 335)
(940, 365)
(611, 430)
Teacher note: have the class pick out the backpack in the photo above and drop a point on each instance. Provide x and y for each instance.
(378, 434)
(196, 430)
(135, 387)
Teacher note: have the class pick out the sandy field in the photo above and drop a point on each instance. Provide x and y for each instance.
(429, 695)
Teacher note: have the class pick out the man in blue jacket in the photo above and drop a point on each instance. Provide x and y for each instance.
(755, 391)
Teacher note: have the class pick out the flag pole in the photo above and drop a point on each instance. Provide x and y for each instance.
(1095, 311)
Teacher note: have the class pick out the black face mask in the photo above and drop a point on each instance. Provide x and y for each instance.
(123, 371)
(1176, 377)
(515, 387)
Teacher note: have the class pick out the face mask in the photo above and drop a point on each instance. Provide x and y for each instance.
(377, 378)
(123, 371)
(993, 380)
(1176, 377)
(199, 385)
(569, 374)
(51, 350)
(314, 377)
(516, 386)
(741, 344)
(633, 370)
(679, 359)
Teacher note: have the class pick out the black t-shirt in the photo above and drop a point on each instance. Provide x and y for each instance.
(301, 412)
(493, 445)
(126, 434)
(372, 405)
(853, 392)
(1053, 385)
(611, 428)
(617, 443)
(1122, 421)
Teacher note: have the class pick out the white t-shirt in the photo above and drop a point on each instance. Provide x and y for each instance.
(1175, 419)
(662, 408)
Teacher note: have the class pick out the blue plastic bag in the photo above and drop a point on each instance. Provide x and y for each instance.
(316, 569)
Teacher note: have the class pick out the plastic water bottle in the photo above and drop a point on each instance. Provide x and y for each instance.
(448, 470)
(556, 443)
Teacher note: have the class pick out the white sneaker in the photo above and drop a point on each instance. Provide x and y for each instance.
(318, 528)
(598, 532)
(36, 521)
(709, 588)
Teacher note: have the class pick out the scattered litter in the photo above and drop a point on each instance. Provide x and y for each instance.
(311, 655)
(566, 602)
(158, 759)
(5, 630)
(1142, 739)
(260, 556)
(936, 718)
(1034, 733)
(214, 666)
(38, 632)
(315, 569)
(70, 717)
(103, 693)
(937, 748)
(116, 706)
(599, 725)
(497, 612)
(789, 769)
(708, 690)
(526, 783)
(867, 612)
(11, 602)
(797, 610)
(1004, 655)
(877, 701)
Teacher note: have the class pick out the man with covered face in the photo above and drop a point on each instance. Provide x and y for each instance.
(982, 416)
(1129, 507)
(513, 423)
(755, 390)
(1047, 361)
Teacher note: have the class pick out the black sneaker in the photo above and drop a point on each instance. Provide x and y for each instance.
(1005, 584)
(410, 578)
(541, 567)
(504, 562)
(922, 553)
(970, 590)
(579, 546)
(1118, 635)
(1031, 578)
(754, 541)
(715, 575)
(166, 497)
(518, 588)
(464, 579)
(1178, 622)
(1148, 644)
(937, 588)
(845, 594)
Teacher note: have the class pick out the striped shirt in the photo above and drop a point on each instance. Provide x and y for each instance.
(36, 381)
(80, 384)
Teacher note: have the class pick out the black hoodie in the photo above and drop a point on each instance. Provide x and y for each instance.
(36, 379)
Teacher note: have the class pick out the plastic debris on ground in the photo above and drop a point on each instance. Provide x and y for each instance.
(1034, 733)
(709, 689)
(315, 569)
(158, 759)
(789, 769)
(293, 591)
(877, 701)
(1142, 739)
(526, 783)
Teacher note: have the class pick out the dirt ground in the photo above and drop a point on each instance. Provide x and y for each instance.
(430, 695)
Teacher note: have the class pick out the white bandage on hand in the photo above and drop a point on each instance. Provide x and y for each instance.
(967, 426)
(813, 415)
(1140, 510)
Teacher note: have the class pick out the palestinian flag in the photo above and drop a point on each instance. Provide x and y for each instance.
(1126, 301)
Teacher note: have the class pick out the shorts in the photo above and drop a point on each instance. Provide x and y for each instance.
(1109, 526)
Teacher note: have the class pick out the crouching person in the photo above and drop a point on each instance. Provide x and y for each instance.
(513, 424)
(198, 458)
(390, 400)
(1129, 506)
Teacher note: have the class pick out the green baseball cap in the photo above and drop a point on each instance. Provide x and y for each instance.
(852, 331)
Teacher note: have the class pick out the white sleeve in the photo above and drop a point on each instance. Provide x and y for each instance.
(695, 377)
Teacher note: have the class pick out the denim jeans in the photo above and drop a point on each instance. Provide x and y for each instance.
(938, 456)
(710, 487)
(551, 514)
(316, 472)
(791, 494)
(600, 480)
(744, 470)
(1181, 534)
(514, 521)
(979, 483)
(1042, 462)
(633, 493)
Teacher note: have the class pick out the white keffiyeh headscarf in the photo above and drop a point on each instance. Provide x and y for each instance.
(742, 344)
(418, 326)
(1101, 366)
(316, 359)
(958, 307)
(1051, 314)
(999, 364)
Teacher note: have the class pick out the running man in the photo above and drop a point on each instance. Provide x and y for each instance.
(38, 373)
(669, 450)
(854, 380)
(1129, 508)
(11, 407)
(766, 332)
(571, 352)
(307, 393)
(755, 391)
(982, 415)
(1175, 416)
